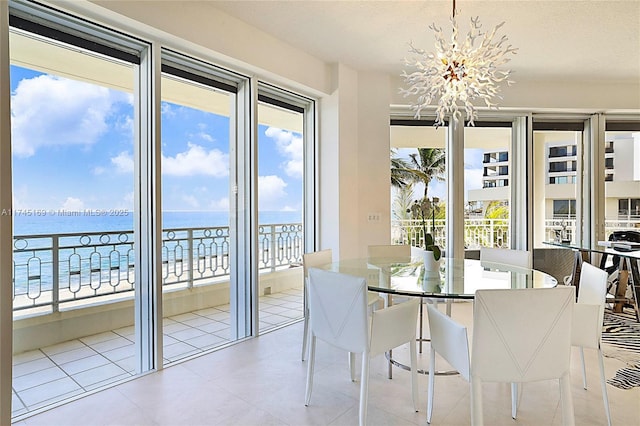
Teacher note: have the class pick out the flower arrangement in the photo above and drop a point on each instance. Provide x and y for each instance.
(417, 211)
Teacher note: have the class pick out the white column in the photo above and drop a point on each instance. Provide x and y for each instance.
(455, 190)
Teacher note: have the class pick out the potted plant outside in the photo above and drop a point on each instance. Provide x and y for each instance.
(431, 251)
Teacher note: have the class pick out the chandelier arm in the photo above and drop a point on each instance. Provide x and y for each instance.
(460, 72)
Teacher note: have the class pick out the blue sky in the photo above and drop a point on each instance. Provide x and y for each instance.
(73, 149)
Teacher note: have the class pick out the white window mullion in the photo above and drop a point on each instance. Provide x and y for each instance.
(243, 215)
(455, 199)
(591, 208)
(6, 225)
(148, 222)
(521, 219)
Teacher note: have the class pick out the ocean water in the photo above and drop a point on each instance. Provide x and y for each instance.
(42, 222)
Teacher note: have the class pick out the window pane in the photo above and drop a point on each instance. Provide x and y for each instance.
(422, 149)
(280, 204)
(195, 214)
(73, 144)
(622, 181)
(554, 185)
(487, 191)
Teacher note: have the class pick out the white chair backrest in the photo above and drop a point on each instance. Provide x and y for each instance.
(389, 250)
(315, 259)
(338, 309)
(450, 340)
(393, 326)
(520, 258)
(522, 335)
(593, 285)
(589, 311)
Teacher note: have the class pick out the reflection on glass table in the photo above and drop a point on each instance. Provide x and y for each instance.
(456, 278)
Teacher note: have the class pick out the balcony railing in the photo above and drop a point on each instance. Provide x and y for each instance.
(50, 271)
(57, 270)
(480, 232)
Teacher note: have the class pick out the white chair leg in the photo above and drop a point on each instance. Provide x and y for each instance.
(514, 400)
(364, 389)
(432, 374)
(414, 374)
(352, 366)
(568, 416)
(605, 397)
(310, 365)
(584, 370)
(476, 402)
(305, 335)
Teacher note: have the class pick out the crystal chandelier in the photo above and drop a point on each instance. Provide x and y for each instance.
(459, 72)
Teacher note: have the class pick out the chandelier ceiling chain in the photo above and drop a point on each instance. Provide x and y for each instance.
(458, 73)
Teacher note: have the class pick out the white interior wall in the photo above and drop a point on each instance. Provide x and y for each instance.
(374, 179)
(554, 95)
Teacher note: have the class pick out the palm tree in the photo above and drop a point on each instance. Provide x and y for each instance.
(400, 173)
(427, 164)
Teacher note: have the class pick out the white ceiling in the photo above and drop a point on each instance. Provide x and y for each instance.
(557, 39)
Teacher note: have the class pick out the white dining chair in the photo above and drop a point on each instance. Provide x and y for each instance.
(520, 258)
(311, 260)
(315, 259)
(519, 336)
(588, 317)
(398, 251)
(338, 316)
(448, 339)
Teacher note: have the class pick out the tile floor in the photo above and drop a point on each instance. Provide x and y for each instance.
(47, 375)
(262, 382)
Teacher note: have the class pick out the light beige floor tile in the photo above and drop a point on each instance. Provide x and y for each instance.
(33, 366)
(84, 364)
(48, 392)
(97, 338)
(119, 353)
(63, 347)
(213, 326)
(72, 355)
(37, 378)
(27, 356)
(107, 372)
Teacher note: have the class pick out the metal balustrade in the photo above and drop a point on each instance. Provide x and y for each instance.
(481, 232)
(54, 270)
(58, 269)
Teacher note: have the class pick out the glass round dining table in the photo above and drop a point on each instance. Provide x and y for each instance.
(455, 279)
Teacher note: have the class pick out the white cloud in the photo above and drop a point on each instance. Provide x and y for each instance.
(49, 111)
(290, 146)
(167, 109)
(190, 201)
(220, 205)
(271, 189)
(123, 162)
(197, 161)
(72, 204)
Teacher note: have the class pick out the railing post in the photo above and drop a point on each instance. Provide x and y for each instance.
(491, 234)
(55, 281)
(272, 248)
(190, 257)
